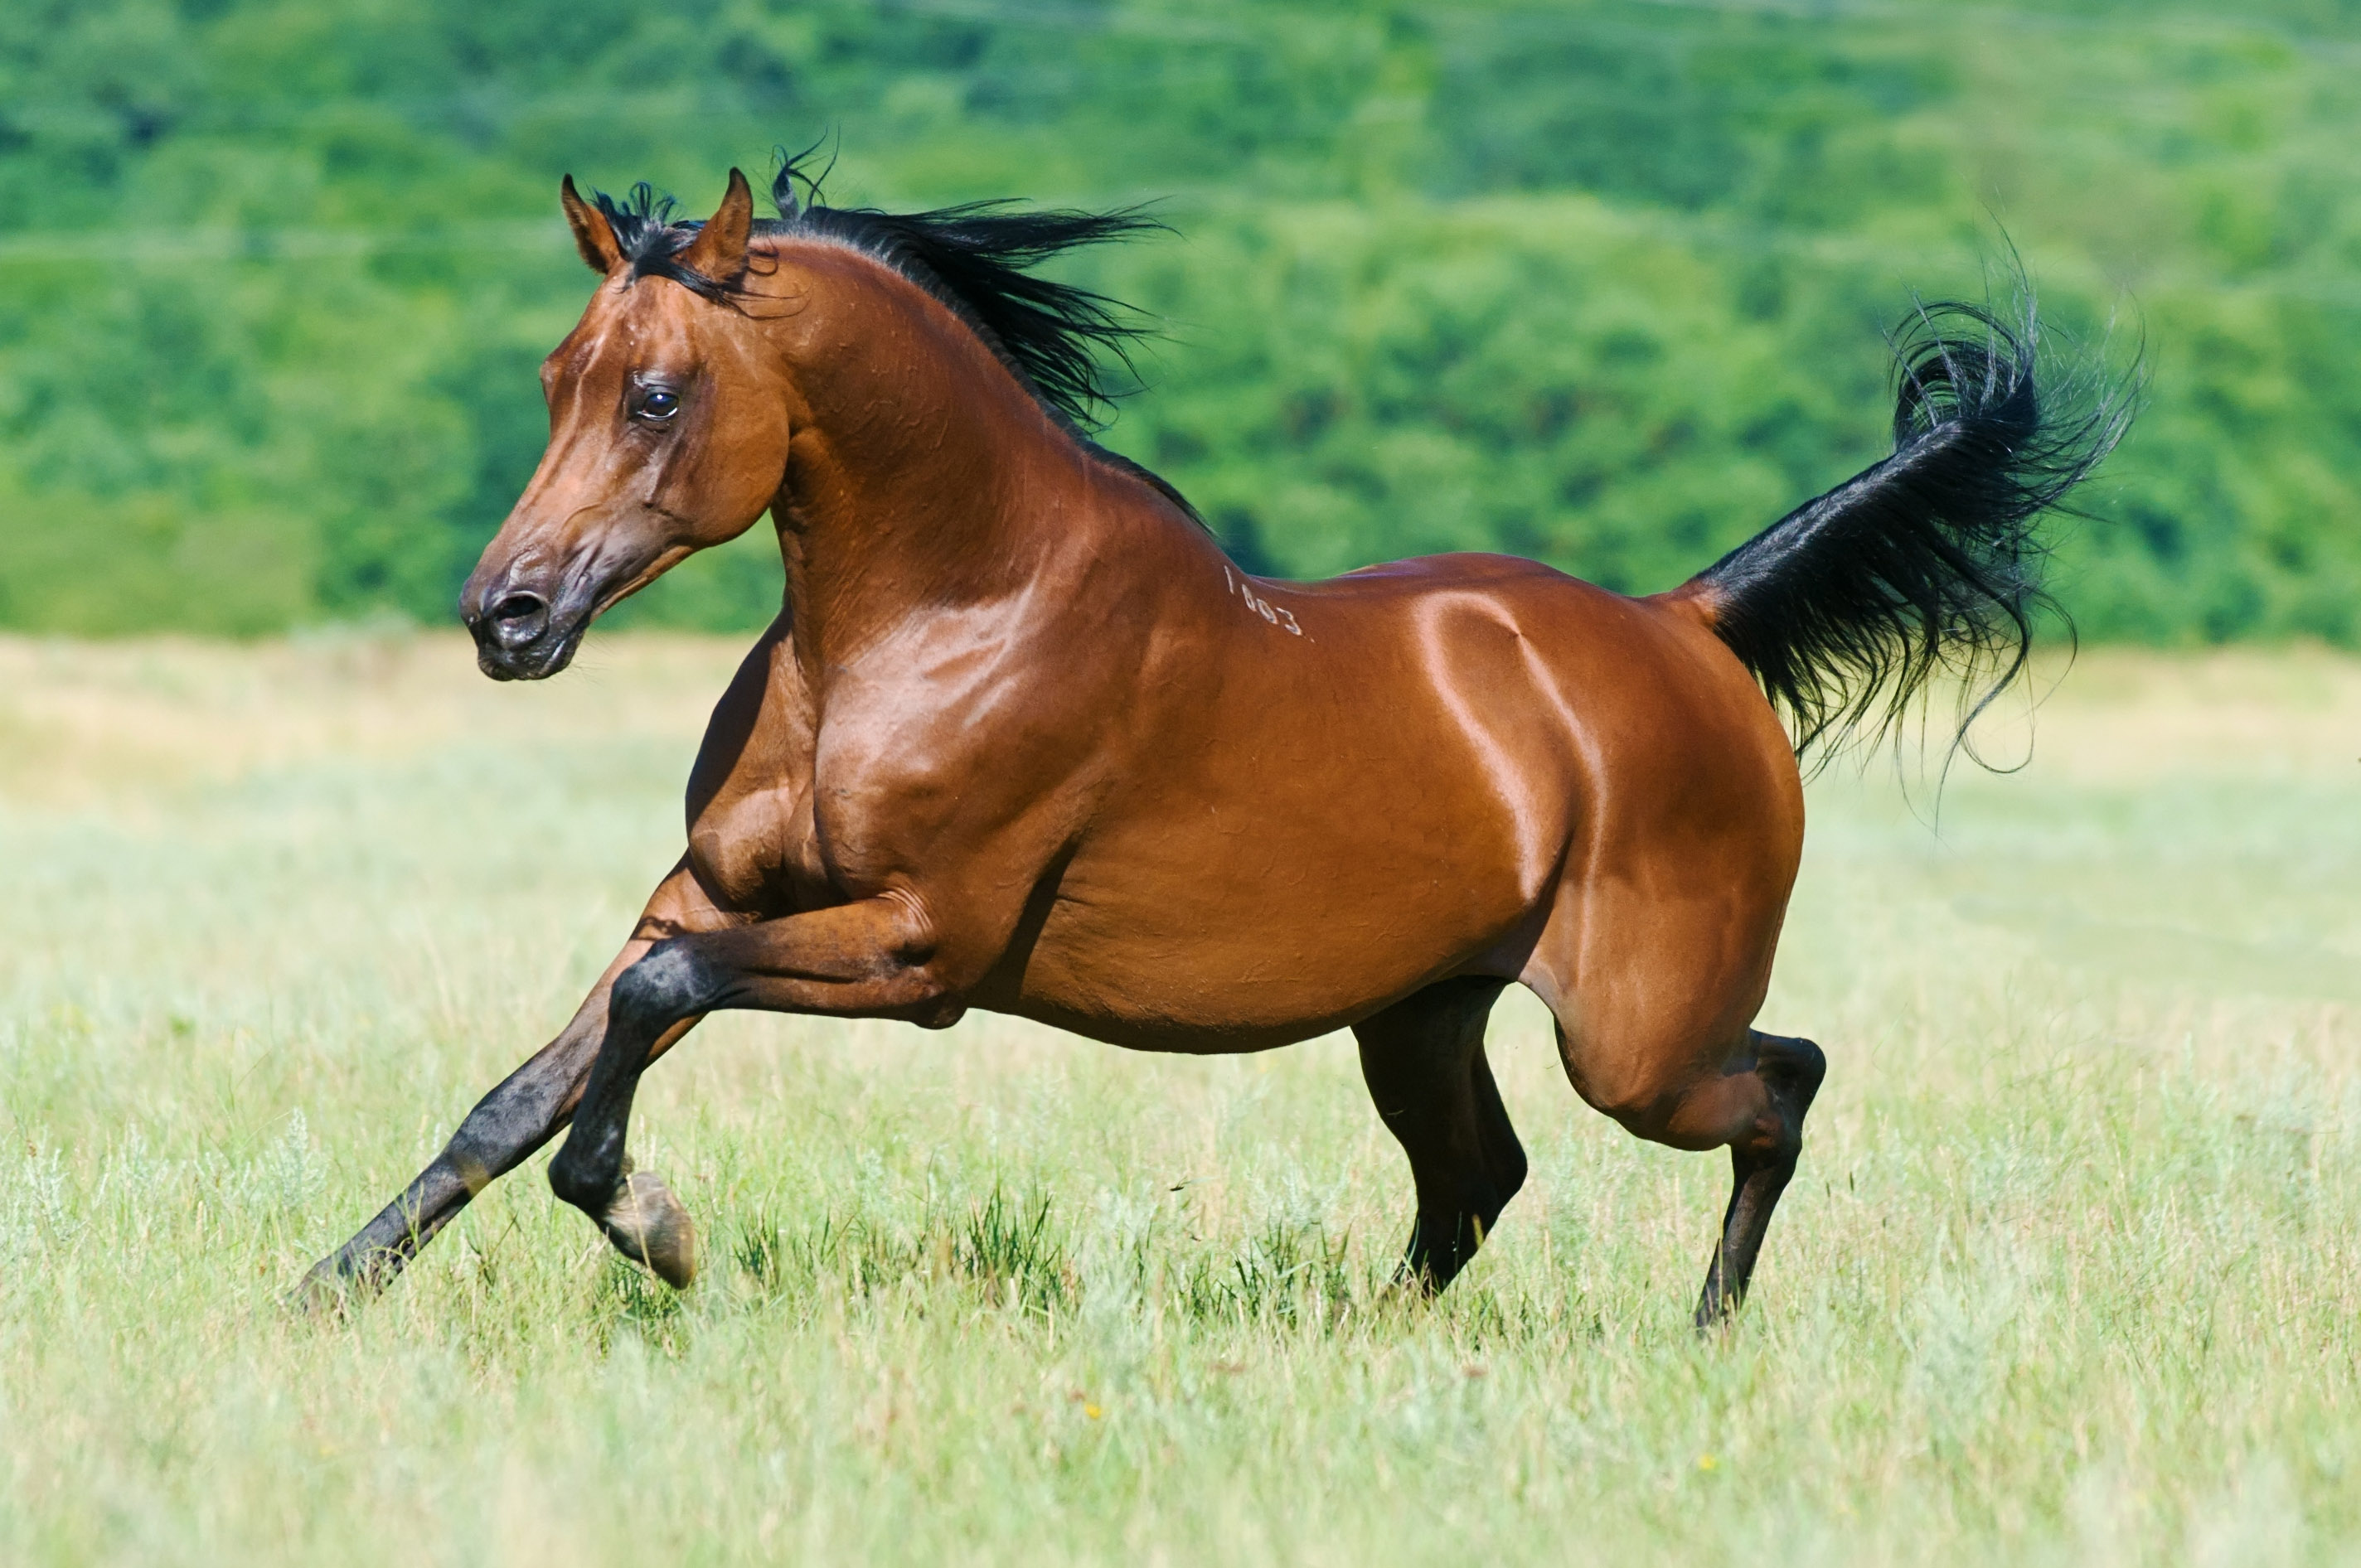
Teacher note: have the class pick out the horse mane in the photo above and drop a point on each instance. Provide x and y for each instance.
(977, 259)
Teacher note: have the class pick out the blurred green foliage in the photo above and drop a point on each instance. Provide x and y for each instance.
(1602, 282)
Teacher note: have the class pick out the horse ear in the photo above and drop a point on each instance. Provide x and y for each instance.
(718, 251)
(594, 237)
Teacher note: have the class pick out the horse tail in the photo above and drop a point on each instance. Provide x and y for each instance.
(1929, 562)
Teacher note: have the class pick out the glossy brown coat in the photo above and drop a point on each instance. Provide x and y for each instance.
(1023, 738)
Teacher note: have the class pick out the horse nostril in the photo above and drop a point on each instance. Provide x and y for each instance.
(518, 619)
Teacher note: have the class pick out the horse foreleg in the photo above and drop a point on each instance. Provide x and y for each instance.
(864, 959)
(528, 1109)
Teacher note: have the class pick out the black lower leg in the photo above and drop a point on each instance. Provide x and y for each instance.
(1791, 1069)
(383, 1248)
(590, 1169)
(503, 1130)
(1424, 1059)
(635, 1210)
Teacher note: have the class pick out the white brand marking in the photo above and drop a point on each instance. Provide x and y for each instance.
(1262, 607)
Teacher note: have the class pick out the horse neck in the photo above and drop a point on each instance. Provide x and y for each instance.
(921, 477)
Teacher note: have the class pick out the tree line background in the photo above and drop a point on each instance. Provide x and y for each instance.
(1601, 282)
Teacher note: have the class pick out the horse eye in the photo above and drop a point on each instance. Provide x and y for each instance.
(659, 405)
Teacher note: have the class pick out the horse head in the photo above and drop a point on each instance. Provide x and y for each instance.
(668, 433)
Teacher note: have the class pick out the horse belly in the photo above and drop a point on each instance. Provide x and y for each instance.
(1257, 922)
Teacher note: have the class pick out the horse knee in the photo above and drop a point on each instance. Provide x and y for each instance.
(669, 984)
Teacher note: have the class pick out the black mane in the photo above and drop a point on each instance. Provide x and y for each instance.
(977, 259)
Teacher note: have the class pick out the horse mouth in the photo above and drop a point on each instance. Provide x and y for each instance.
(521, 636)
(535, 662)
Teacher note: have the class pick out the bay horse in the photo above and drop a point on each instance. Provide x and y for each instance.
(1024, 739)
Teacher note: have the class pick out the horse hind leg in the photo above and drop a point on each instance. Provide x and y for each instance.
(1424, 1061)
(1752, 1101)
(1789, 1072)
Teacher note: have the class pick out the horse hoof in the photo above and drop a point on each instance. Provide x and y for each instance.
(649, 1226)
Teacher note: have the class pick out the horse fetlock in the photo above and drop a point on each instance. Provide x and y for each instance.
(576, 1177)
(649, 1225)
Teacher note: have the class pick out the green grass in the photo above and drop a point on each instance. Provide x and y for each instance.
(2071, 1272)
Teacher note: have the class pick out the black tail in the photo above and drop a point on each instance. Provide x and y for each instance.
(1928, 563)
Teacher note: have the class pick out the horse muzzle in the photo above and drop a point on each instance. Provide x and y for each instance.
(521, 634)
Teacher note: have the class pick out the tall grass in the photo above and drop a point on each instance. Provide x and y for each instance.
(2071, 1272)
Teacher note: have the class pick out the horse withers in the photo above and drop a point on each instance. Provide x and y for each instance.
(1022, 738)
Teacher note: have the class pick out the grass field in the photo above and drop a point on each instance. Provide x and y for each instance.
(2071, 1273)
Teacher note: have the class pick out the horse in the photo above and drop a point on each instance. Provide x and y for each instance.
(1023, 737)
